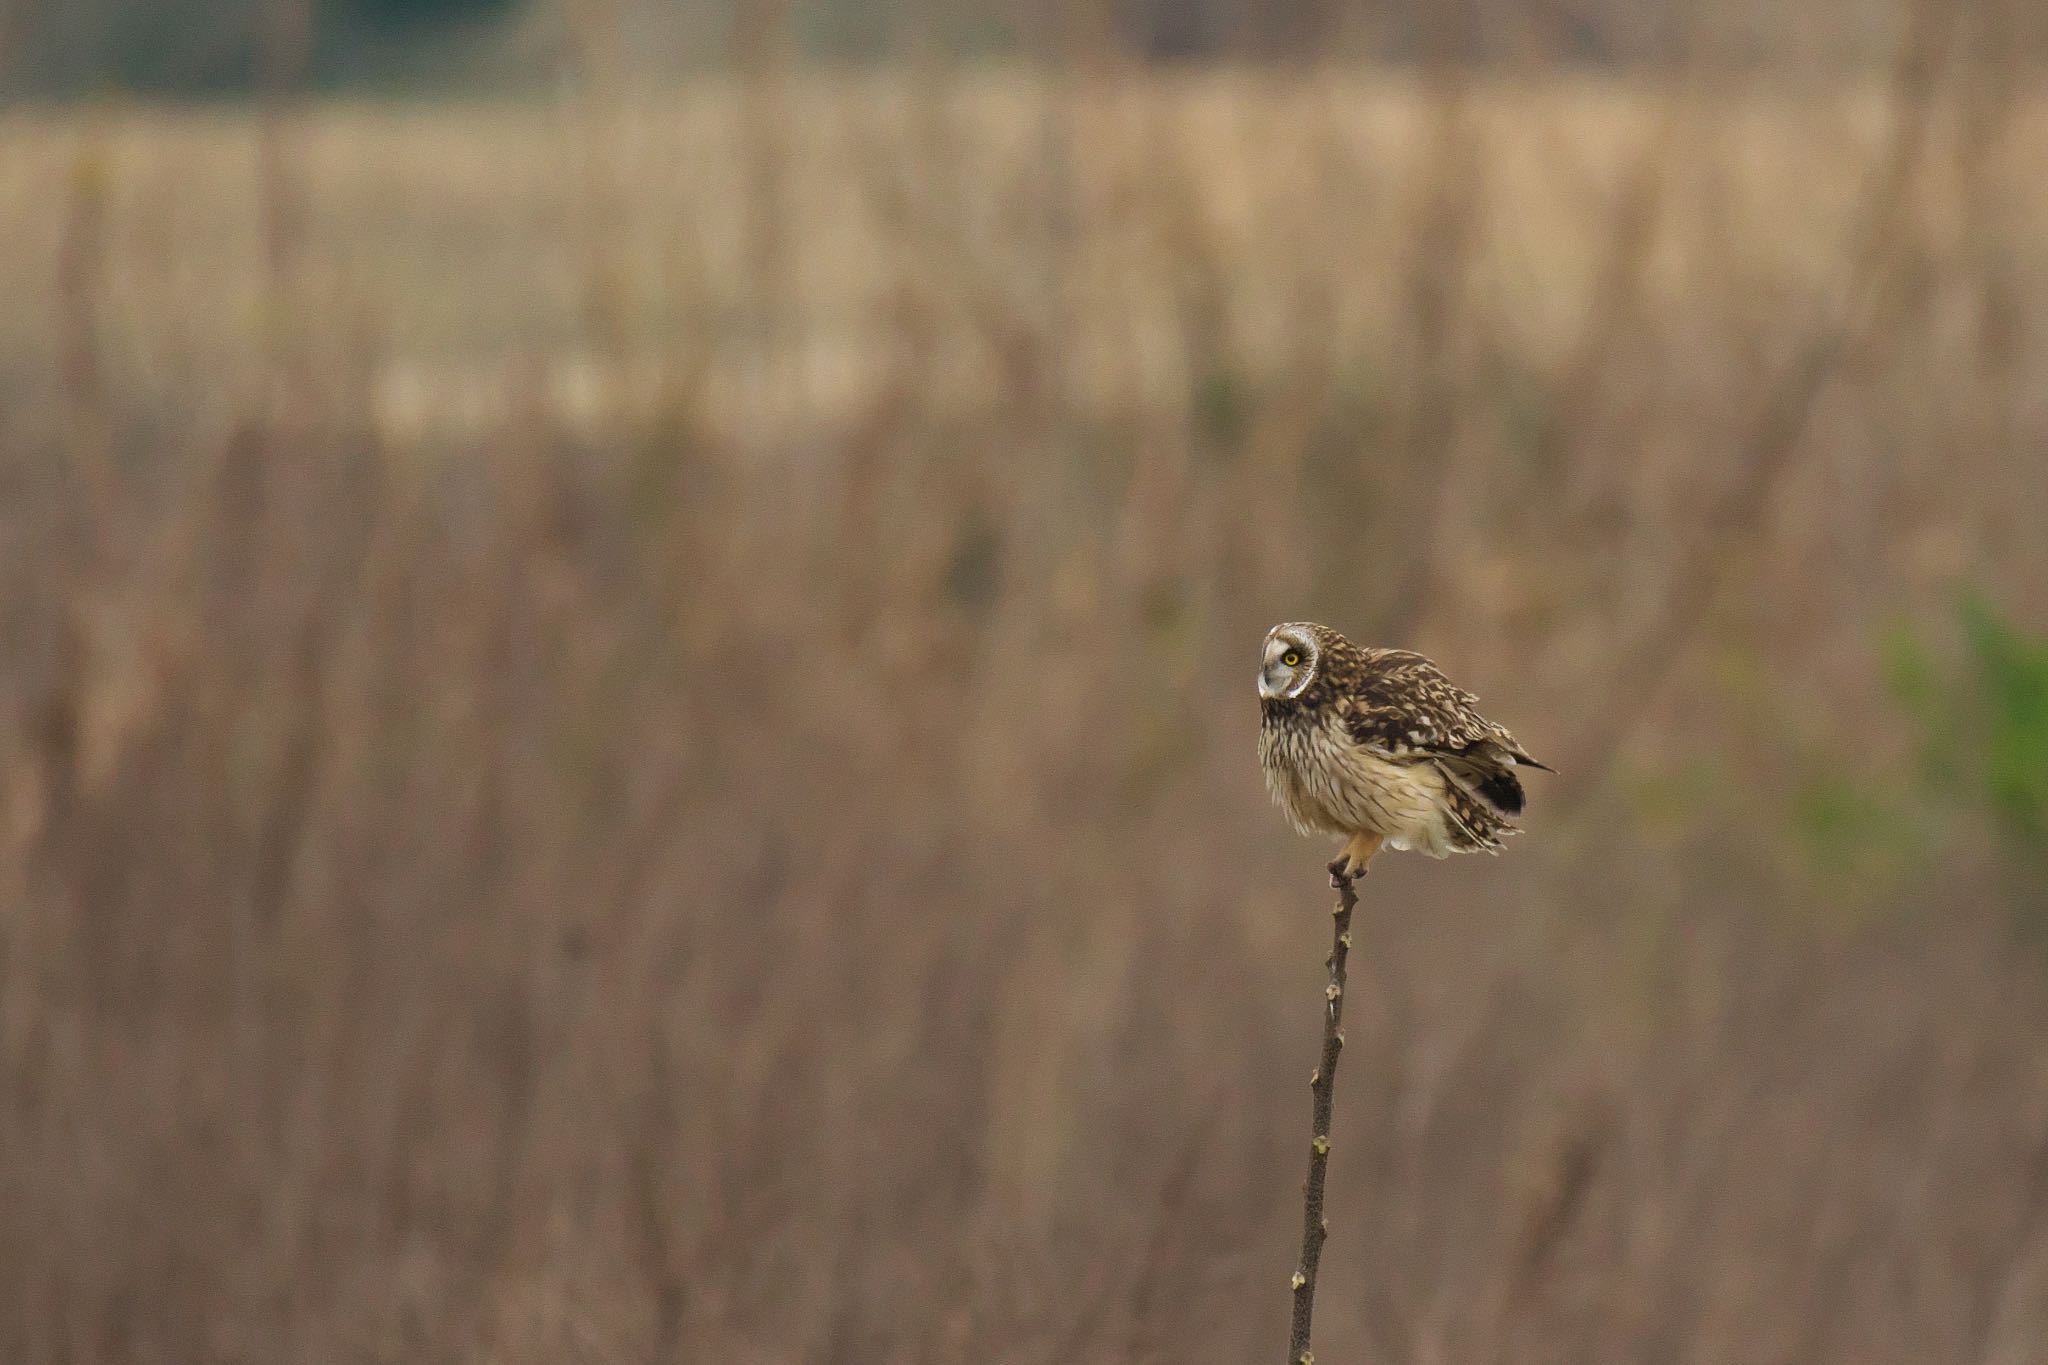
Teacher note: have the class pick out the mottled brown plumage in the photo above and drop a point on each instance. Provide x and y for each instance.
(1379, 746)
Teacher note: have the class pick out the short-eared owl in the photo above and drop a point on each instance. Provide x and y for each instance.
(1377, 745)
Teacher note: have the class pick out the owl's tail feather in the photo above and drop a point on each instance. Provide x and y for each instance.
(1502, 790)
(1474, 829)
(1492, 784)
(1470, 822)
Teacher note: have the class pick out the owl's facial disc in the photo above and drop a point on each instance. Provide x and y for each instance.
(1289, 665)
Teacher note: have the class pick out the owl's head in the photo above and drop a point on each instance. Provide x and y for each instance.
(1293, 653)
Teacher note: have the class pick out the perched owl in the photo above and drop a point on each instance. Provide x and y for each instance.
(1377, 745)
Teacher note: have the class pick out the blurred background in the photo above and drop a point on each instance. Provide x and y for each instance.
(627, 638)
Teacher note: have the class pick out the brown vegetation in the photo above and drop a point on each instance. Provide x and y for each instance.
(629, 732)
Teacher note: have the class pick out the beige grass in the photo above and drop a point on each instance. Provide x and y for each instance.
(472, 248)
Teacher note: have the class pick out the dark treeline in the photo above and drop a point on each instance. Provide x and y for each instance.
(231, 47)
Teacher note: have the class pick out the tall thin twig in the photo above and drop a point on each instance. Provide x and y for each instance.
(1314, 1226)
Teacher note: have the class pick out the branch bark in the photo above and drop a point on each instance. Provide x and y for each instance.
(1314, 1226)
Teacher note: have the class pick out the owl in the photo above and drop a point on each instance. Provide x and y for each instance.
(1378, 746)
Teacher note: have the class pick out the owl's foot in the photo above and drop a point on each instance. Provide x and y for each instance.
(1354, 856)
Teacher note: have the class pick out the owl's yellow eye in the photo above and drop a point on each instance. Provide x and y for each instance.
(1292, 658)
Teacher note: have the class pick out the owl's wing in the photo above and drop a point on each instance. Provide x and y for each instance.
(1403, 708)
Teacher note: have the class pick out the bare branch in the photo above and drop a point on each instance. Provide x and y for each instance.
(1314, 1226)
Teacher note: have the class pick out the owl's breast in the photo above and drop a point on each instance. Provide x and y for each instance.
(1296, 749)
(1327, 783)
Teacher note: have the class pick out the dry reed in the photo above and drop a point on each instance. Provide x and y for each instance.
(538, 845)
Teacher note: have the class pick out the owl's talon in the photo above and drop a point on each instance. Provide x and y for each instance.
(1354, 858)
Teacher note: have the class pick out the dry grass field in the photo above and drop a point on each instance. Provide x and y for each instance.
(626, 728)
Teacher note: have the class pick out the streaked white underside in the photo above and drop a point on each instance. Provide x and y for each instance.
(1327, 784)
